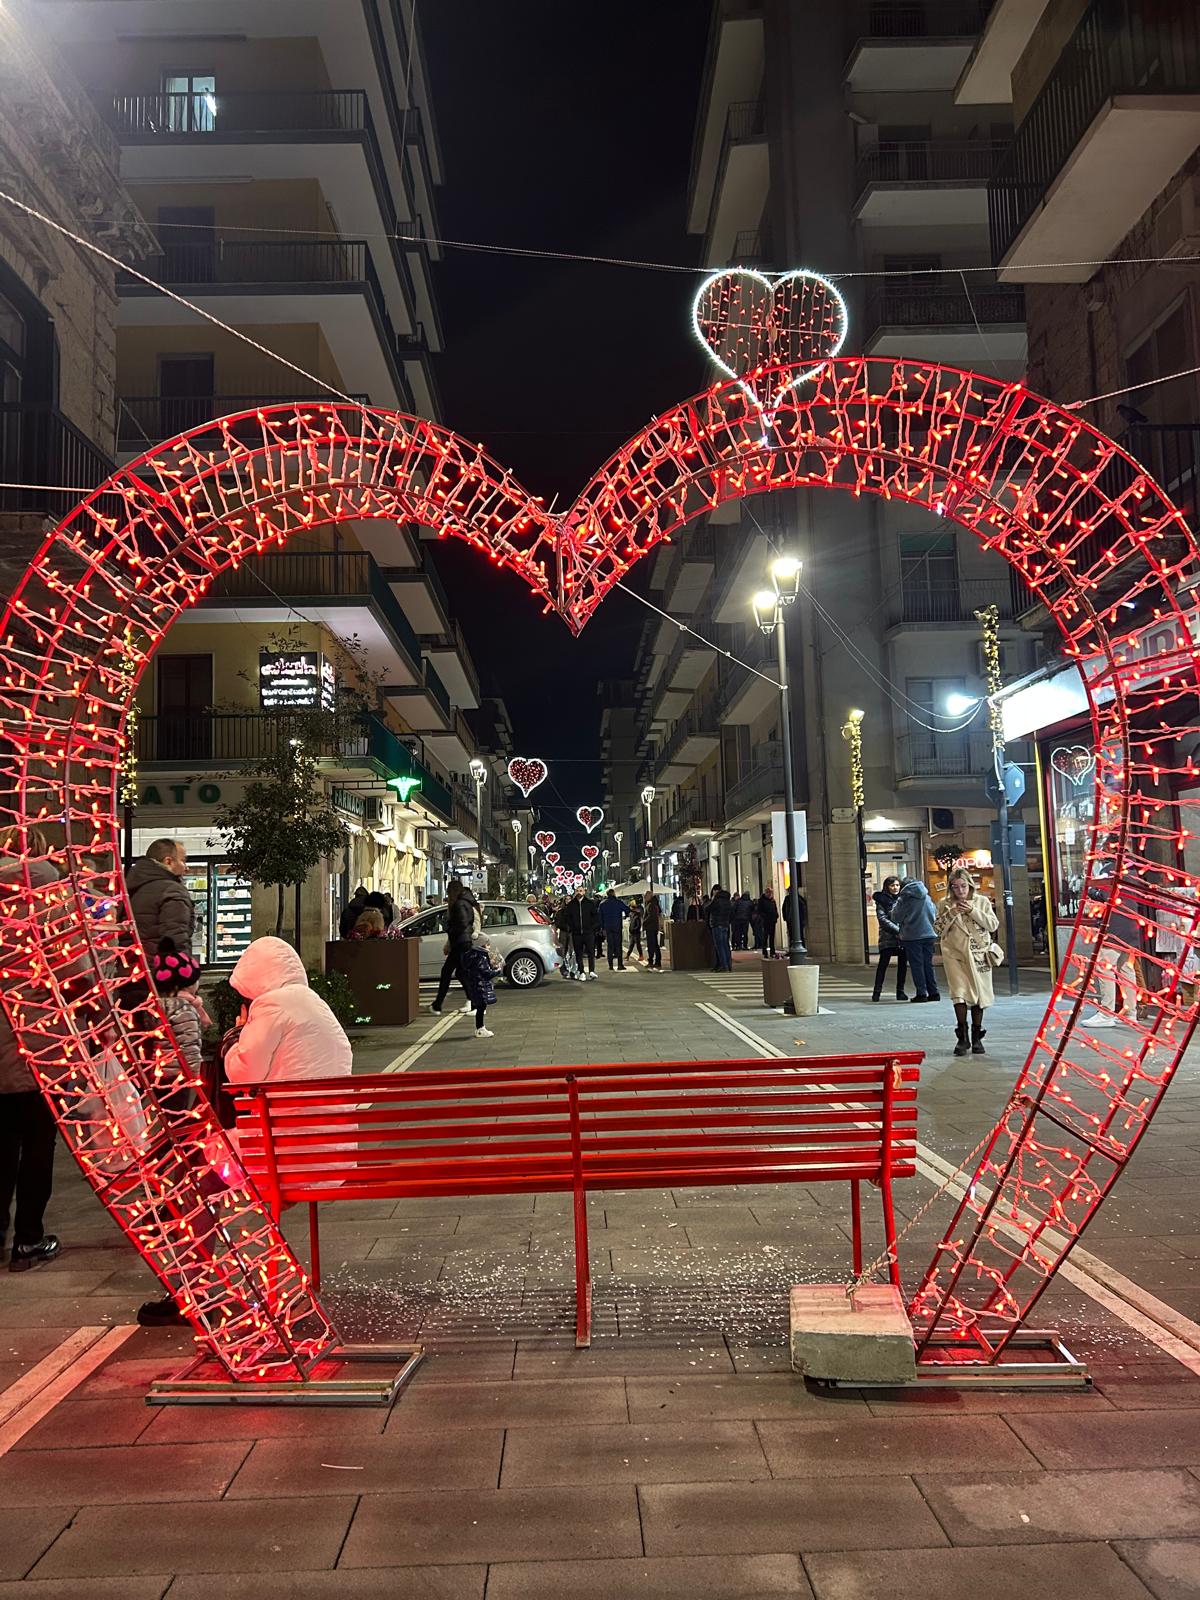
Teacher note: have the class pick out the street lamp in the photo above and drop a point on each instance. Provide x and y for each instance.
(478, 770)
(617, 837)
(769, 607)
(648, 794)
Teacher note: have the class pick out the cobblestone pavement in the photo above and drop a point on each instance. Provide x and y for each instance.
(678, 1457)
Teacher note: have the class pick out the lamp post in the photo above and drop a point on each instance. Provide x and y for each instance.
(478, 770)
(648, 794)
(617, 837)
(515, 825)
(852, 733)
(605, 857)
(769, 608)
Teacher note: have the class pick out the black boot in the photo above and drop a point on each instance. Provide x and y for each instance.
(961, 1043)
(25, 1256)
(162, 1313)
(977, 1031)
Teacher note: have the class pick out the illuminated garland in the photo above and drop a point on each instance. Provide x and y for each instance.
(852, 733)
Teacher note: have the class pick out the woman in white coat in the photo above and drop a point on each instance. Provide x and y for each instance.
(287, 1030)
(966, 924)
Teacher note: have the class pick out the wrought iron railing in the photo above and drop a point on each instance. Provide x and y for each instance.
(893, 304)
(694, 813)
(763, 782)
(925, 19)
(145, 420)
(1170, 451)
(956, 600)
(697, 720)
(41, 451)
(265, 262)
(753, 247)
(921, 754)
(943, 161)
(198, 112)
(1120, 47)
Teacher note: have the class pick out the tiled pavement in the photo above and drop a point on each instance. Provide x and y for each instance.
(678, 1457)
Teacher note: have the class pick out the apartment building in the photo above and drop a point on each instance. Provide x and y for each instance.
(835, 137)
(58, 300)
(1102, 181)
(285, 158)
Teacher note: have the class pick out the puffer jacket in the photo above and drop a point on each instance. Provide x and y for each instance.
(463, 922)
(290, 1032)
(162, 906)
(913, 913)
(581, 918)
(885, 912)
(720, 910)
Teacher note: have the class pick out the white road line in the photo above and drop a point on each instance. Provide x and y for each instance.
(24, 1403)
(1176, 1335)
(413, 1054)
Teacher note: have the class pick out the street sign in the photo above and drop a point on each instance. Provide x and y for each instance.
(1014, 784)
(1016, 843)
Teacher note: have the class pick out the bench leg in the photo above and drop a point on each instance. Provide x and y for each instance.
(856, 1224)
(583, 1274)
(889, 1232)
(314, 1246)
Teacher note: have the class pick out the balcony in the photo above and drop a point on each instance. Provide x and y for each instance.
(954, 602)
(146, 420)
(743, 177)
(987, 77)
(921, 757)
(980, 325)
(1116, 119)
(753, 798)
(692, 820)
(695, 736)
(425, 706)
(345, 590)
(691, 571)
(926, 182)
(753, 248)
(422, 595)
(743, 696)
(38, 446)
(1171, 452)
(909, 45)
(230, 117)
(331, 282)
(455, 667)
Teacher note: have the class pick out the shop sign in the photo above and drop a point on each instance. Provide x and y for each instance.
(180, 794)
(295, 680)
(779, 835)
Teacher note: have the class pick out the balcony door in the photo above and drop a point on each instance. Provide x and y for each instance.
(929, 576)
(189, 102)
(186, 386)
(184, 706)
(189, 241)
(934, 754)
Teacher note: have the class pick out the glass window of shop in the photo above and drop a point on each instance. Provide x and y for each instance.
(222, 899)
(1069, 773)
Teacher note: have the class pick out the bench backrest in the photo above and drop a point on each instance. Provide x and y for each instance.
(539, 1129)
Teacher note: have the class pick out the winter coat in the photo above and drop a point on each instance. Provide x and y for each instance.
(1124, 928)
(968, 982)
(635, 922)
(290, 1032)
(612, 914)
(720, 909)
(913, 913)
(678, 909)
(885, 912)
(768, 911)
(162, 906)
(15, 1075)
(351, 912)
(743, 908)
(478, 977)
(461, 924)
(652, 916)
(580, 917)
(381, 903)
(186, 1027)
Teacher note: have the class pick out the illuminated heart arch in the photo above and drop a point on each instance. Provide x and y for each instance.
(1083, 523)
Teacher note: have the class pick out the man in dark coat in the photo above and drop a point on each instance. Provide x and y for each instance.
(581, 924)
(720, 916)
(612, 914)
(352, 910)
(162, 906)
(742, 907)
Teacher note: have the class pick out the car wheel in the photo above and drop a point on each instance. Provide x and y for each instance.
(524, 971)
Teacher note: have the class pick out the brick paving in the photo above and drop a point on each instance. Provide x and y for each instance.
(677, 1458)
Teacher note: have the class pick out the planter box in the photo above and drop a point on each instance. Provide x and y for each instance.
(691, 947)
(385, 976)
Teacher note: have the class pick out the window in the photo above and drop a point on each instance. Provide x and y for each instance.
(499, 917)
(184, 709)
(186, 387)
(929, 576)
(425, 927)
(929, 753)
(189, 102)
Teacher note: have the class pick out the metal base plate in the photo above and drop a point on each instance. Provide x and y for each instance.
(336, 1381)
(1032, 1359)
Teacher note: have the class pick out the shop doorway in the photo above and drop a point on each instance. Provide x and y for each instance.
(891, 855)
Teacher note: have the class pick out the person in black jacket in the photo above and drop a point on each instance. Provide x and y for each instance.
(582, 924)
(889, 938)
(352, 910)
(768, 915)
(742, 907)
(462, 923)
(720, 915)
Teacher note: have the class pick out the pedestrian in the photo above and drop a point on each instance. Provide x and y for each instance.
(176, 976)
(652, 926)
(966, 923)
(693, 909)
(613, 913)
(463, 922)
(743, 908)
(678, 909)
(287, 1030)
(1116, 974)
(376, 901)
(582, 924)
(351, 911)
(802, 914)
(162, 906)
(27, 1126)
(635, 929)
(889, 937)
(370, 925)
(756, 925)
(720, 916)
(768, 917)
(480, 967)
(914, 916)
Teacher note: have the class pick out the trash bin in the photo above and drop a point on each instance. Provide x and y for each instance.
(804, 982)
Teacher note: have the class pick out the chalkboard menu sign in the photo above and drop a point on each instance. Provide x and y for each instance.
(295, 680)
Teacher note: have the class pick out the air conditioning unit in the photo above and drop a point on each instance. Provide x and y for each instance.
(940, 819)
(1176, 230)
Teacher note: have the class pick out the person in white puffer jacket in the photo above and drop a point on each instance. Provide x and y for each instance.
(287, 1031)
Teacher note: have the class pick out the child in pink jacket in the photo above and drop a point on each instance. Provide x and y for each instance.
(287, 1030)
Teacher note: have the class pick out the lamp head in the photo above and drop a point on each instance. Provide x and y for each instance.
(958, 704)
(785, 575)
(516, 825)
(648, 794)
(766, 610)
(478, 770)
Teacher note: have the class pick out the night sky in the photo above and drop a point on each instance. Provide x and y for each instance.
(572, 132)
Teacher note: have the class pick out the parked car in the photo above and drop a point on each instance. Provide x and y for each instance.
(524, 940)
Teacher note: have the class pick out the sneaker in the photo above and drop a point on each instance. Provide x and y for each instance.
(436, 1010)
(484, 1033)
(591, 977)
(162, 1313)
(1099, 1021)
(901, 997)
(25, 1256)
(464, 1009)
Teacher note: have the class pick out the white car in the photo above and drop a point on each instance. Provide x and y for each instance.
(523, 938)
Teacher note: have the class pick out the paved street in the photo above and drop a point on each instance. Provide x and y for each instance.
(678, 1457)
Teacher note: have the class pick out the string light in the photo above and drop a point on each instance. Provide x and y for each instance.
(852, 733)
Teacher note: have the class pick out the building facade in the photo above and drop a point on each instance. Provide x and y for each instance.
(840, 138)
(285, 159)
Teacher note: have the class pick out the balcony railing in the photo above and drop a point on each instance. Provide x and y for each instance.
(145, 420)
(930, 161)
(763, 783)
(745, 122)
(956, 600)
(936, 305)
(753, 247)
(925, 19)
(942, 755)
(198, 114)
(436, 688)
(693, 814)
(1171, 452)
(38, 446)
(1120, 47)
(698, 720)
(312, 575)
(264, 262)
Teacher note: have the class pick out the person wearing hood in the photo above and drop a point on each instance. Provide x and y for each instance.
(612, 916)
(463, 921)
(287, 1031)
(889, 938)
(162, 906)
(914, 916)
(351, 911)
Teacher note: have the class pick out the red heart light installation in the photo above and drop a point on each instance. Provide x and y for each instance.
(527, 772)
(590, 852)
(590, 817)
(552, 857)
(545, 839)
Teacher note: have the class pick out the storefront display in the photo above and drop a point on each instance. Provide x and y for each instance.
(1068, 767)
(222, 930)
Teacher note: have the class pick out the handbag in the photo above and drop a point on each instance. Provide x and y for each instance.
(994, 954)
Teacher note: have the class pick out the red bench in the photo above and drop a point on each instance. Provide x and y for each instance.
(553, 1130)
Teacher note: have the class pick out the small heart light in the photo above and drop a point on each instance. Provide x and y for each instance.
(545, 838)
(1074, 762)
(527, 772)
(590, 852)
(590, 817)
(552, 857)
